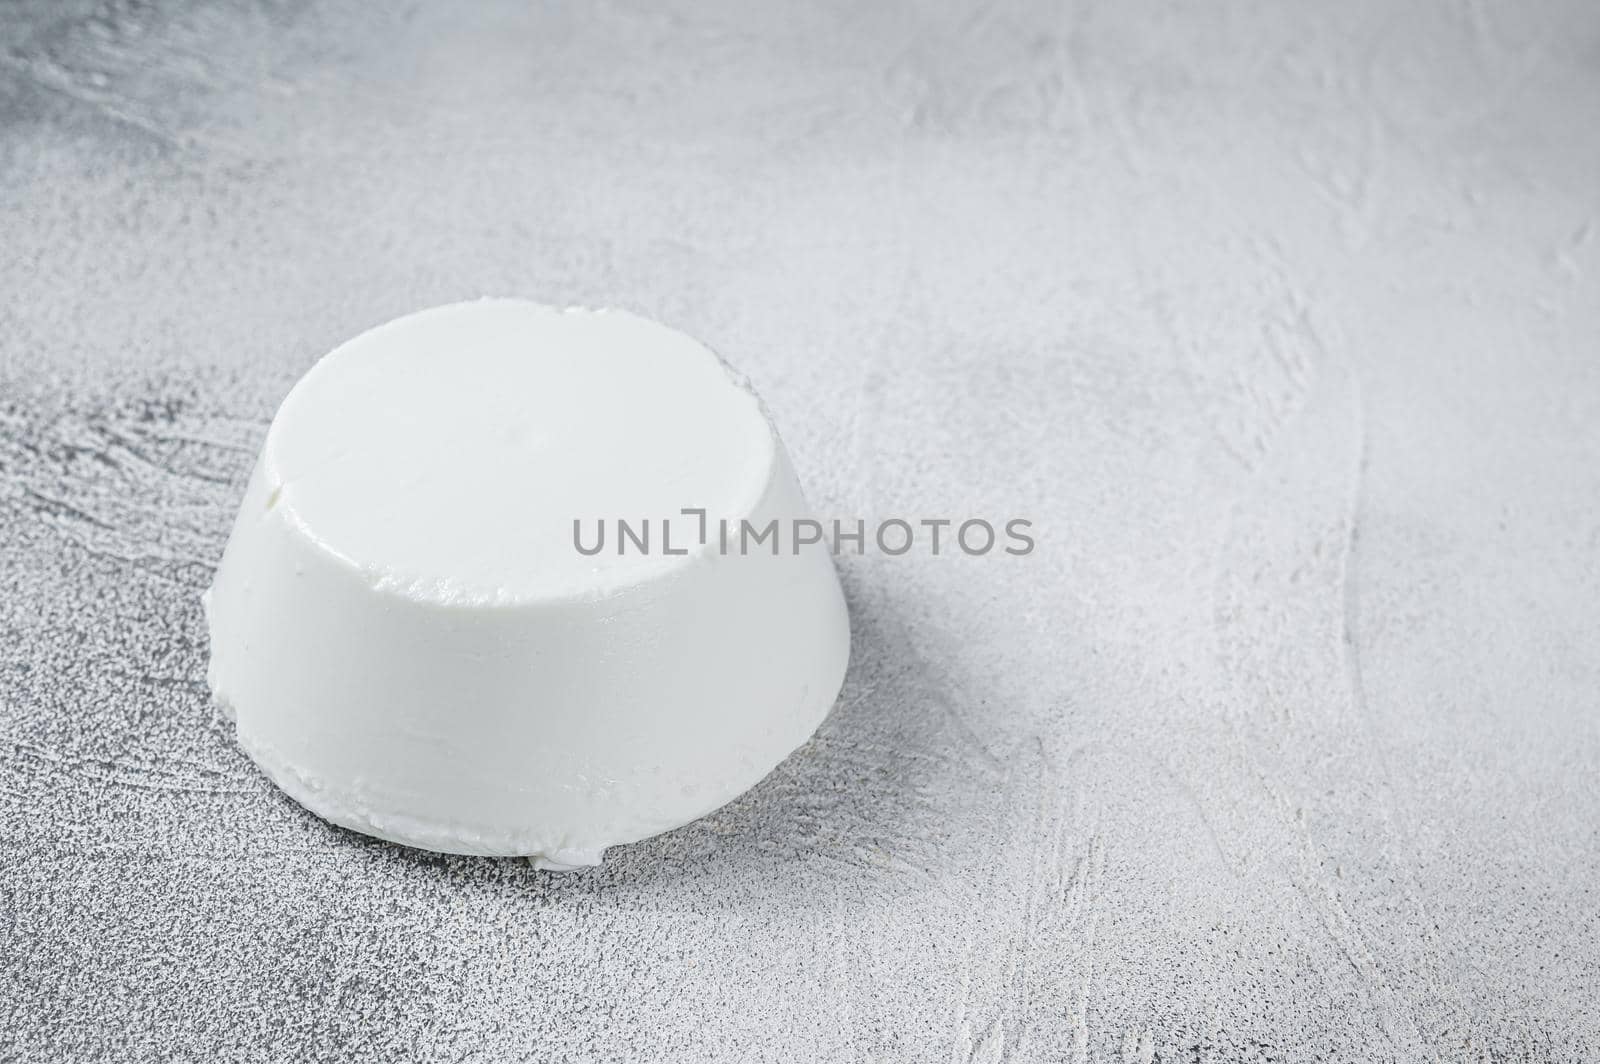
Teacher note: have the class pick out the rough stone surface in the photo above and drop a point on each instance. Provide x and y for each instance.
(1279, 320)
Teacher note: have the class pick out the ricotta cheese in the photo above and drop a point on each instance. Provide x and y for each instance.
(411, 642)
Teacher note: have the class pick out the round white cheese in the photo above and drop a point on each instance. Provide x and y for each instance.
(417, 638)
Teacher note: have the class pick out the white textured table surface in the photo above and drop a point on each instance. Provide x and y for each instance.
(1279, 320)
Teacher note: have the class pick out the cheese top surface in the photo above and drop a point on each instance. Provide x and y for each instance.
(445, 455)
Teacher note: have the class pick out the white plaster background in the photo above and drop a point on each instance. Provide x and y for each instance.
(1280, 320)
